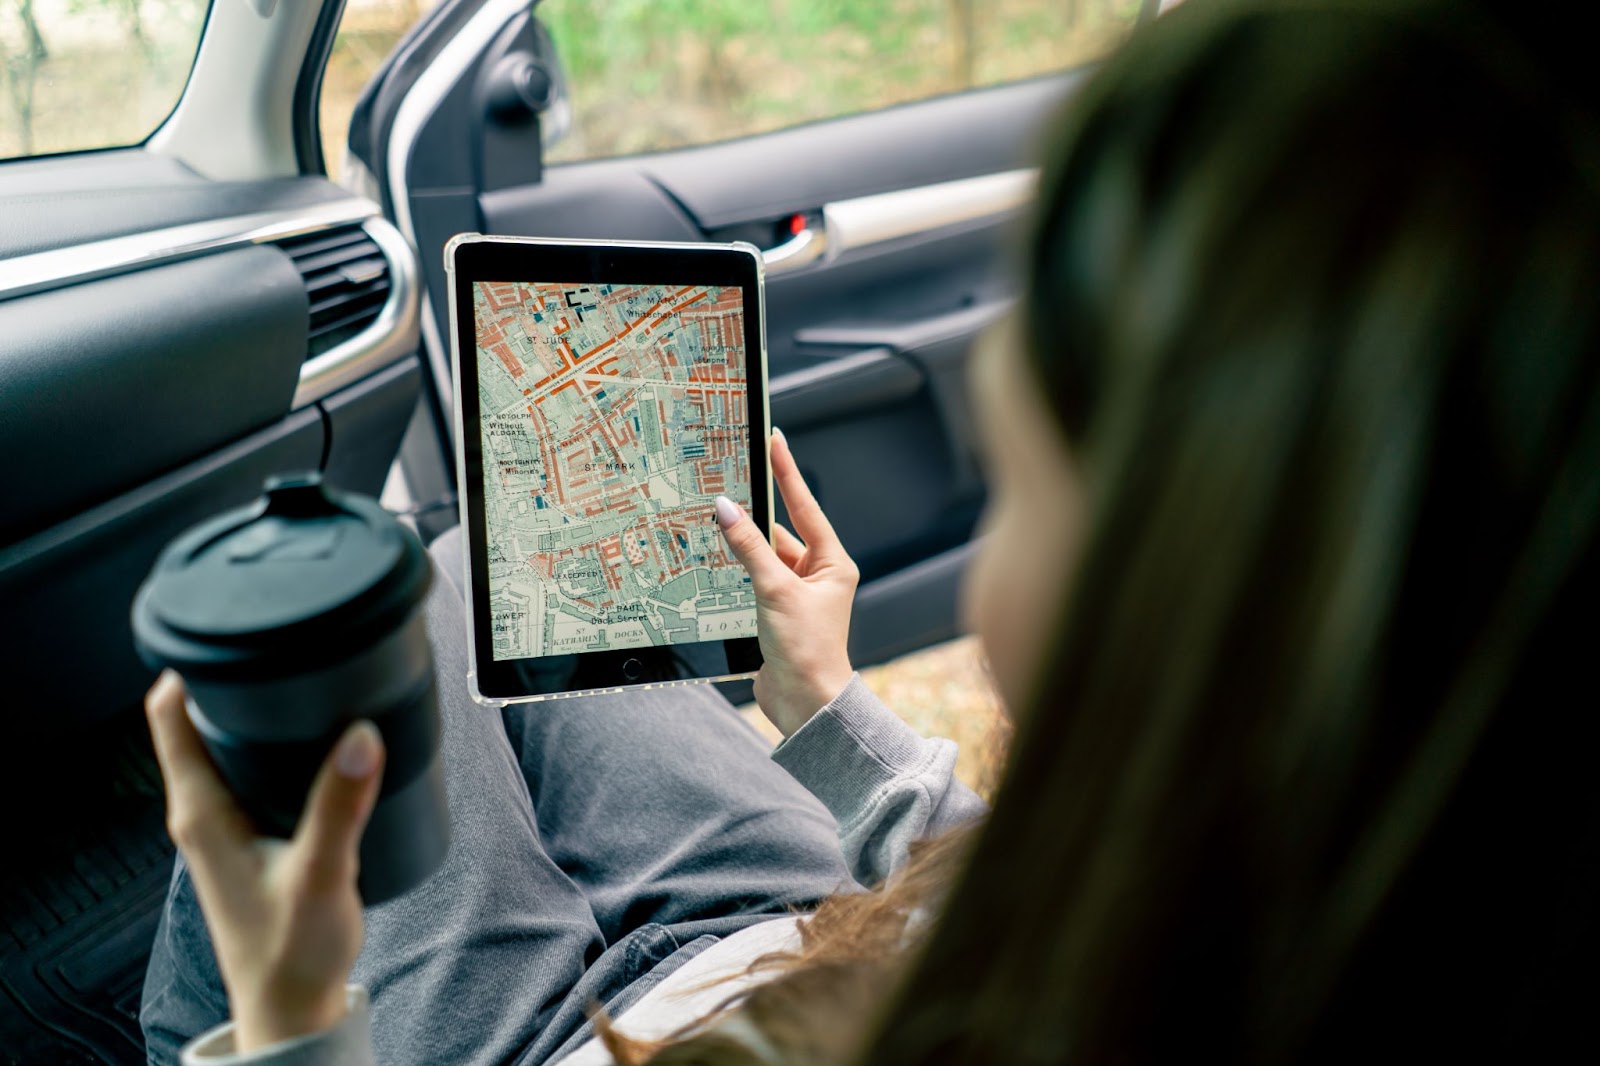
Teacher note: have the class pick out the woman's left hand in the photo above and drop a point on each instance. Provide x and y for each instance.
(284, 915)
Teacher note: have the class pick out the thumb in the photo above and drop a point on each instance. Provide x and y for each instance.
(336, 811)
(750, 547)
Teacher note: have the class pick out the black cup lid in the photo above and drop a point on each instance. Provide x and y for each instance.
(301, 577)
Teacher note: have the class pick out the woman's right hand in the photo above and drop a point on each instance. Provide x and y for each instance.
(804, 588)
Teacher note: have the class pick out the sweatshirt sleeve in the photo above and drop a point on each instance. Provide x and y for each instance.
(886, 785)
(347, 1044)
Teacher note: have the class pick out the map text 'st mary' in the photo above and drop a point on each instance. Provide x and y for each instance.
(612, 417)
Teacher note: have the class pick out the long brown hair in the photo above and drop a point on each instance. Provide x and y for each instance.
(1314, 299)
(1308, 772)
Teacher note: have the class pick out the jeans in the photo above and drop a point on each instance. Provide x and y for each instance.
(598, 843)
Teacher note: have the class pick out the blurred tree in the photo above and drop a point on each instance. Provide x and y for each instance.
(647, 75)
(130, 14)
(133, 18)
(30, 27)
(22, 72)
(965, 15)
(110, 69)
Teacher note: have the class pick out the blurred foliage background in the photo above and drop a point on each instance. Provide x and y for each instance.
(650, 75)
(78, 74)
(654, 74)
(645, 75)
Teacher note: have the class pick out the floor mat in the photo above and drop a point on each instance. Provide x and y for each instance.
(79, 899)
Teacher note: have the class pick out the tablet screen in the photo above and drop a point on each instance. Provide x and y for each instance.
(611, 416)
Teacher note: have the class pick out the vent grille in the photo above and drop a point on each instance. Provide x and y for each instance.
(347, 282)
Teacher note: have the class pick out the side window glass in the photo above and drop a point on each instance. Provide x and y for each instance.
(82, 74)
(649, 75)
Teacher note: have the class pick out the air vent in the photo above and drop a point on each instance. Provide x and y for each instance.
(347, 282)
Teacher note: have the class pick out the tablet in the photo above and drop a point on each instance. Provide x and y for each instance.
(606, 393)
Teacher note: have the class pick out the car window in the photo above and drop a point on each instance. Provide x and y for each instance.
(647, 75)
(79, 74)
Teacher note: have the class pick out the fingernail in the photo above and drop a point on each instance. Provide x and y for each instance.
(358, 751)
(167, 685)
(776, 432)
(728, 512)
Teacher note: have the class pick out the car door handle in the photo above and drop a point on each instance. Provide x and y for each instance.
(803, 249)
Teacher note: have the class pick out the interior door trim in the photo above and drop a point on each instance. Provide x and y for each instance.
(61, 267)
(863, 221)
(831, 372)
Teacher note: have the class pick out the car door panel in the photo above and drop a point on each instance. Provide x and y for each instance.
(911, 608)
(938, 346)
(602, 200)
(841, 387)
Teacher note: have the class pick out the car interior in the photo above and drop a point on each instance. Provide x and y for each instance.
(188, 316)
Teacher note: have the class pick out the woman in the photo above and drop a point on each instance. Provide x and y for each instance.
(1303, 408)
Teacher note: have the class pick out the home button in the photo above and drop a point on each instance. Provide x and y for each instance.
(632, 668)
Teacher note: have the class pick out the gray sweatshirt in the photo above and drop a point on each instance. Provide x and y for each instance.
(884, 784)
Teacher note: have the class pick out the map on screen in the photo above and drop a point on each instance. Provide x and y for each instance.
(611, 417)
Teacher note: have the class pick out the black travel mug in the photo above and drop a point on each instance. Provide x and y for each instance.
(289, 618)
